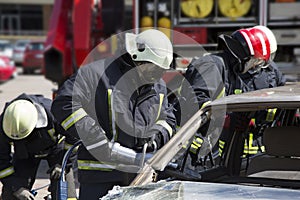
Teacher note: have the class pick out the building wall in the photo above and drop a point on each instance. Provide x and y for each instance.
(24, 18)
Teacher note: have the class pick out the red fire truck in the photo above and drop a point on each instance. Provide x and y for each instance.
(77, 26)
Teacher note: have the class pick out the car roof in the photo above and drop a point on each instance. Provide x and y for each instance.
(287, 96)
(4, 41)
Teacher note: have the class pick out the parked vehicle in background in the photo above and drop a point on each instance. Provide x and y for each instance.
(7, 69)
(6, 48)
(33, 56)
(18, 51)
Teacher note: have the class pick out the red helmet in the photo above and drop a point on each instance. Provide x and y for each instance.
(258, 42)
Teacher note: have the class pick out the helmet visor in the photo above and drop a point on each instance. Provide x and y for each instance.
(254, 63)
(42, 120)
(149, 72)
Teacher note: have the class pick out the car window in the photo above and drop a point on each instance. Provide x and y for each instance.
(21, 44)
(36, 46)
(4, 46)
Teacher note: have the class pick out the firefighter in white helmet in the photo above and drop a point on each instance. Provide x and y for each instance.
(28, 125)
(119, 108)
(244, 64)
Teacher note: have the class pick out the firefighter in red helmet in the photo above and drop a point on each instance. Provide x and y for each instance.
(245, 63)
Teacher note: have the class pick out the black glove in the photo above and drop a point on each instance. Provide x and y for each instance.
(55, 172)
(23, 194)
(194, 149)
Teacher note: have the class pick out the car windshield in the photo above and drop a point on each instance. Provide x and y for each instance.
(21, 44)
(4, 46)
(36, 46)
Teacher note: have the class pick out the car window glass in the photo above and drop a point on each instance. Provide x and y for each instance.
(36, 46)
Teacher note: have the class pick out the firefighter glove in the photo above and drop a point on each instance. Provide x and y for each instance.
(55, 172)
(23, 194)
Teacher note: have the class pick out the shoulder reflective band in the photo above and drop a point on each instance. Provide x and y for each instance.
(73, 118)
(6, 172)
(238, 91)
(164, 124)
(271, 114)
(51, 133)
(95, 165)
(161, 99)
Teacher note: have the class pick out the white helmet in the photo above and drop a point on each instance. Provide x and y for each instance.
(150, 45)
(19, 119)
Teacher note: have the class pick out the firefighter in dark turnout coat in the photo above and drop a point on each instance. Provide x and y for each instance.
(246, 64)
(116, 106)
(28, 125)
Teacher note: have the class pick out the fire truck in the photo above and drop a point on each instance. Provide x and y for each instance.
(78, 26)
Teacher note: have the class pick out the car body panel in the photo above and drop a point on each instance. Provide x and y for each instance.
(7, 70)
(33, 56)
(6, 48)
(18, 51)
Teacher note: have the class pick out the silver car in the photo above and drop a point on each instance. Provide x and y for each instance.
(270, 174)
(6, 48)
(18, 51)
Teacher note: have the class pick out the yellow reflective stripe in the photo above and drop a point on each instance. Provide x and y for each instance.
(204, 104)
(199, 140)
(193, 149)
(95, 165)
(238, 91)
(161, 99)
(73, 118)
(51, 133)
(6, 172)
(221, 143)
(164, 124)
(221, 147)
(222, 93)
(250, 149)
(196, 144)
(271, 114)
(61, 139)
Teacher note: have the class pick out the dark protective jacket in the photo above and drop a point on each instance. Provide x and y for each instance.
(103, 94)
(39, 144)
(215, 75)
